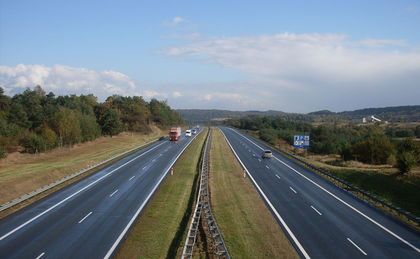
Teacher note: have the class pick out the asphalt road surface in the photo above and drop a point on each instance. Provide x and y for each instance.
(88, 219)
(321, 220)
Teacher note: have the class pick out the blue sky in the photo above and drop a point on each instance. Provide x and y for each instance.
(287, 55)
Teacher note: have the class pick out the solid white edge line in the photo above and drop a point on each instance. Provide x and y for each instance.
(360, 249)
(339, 199)
(316, 210)
(120, 237)
(295, 240)
(74, 194)
(132, 177)
(85, 217)
(41, 255)
(112, 194)
(293, 190)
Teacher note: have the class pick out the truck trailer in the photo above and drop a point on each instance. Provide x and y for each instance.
(174, 133)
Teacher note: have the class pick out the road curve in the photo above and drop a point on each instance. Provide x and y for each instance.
(321, 220)
(88, 219)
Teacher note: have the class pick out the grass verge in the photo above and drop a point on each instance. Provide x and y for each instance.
(159, 231)
(23, 173)
(248, 227)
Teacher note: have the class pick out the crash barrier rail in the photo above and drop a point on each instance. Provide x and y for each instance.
(203, 211)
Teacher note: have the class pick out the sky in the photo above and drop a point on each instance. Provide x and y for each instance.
(293, 56)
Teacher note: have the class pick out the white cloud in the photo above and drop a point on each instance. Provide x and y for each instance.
(305, 72)
(177, 20)
(177, 94)
(66, 80)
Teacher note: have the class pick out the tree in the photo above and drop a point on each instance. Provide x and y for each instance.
(18, 116)
(90, 128)
(110, 123)
(67, 126)
(49, 137)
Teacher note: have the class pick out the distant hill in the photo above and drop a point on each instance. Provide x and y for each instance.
(392, 114)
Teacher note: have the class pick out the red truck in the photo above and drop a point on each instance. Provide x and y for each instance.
(174, 133)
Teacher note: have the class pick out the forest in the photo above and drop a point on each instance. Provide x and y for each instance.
(34, 121)
(371, 144)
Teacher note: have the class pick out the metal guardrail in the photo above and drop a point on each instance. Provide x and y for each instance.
(203, 211)
(347, 186)
(65, 179)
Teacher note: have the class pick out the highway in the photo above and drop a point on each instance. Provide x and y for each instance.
(88, 219)
(320, 219)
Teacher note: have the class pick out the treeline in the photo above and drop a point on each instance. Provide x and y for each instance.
(369, 144)
(34, 121)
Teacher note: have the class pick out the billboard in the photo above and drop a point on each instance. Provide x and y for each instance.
(301, 141)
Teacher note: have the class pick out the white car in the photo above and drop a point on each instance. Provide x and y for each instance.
(188, 133)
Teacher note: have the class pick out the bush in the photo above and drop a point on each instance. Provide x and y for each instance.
(3, 152)
(33, 143)
(406, 161)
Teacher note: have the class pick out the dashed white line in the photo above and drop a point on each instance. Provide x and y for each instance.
(144, 168)
(132, 177)
(267, 167)
(339, 199)
(85, 217)
(39, 256)
(360, 249)
(154, 160)
(113, 193)
(253, 155)
(259, 159)
(293, 190)
(277, 176)
(74, 194)
(316, 210)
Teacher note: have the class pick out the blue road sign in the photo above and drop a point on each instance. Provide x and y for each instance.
(301, 141)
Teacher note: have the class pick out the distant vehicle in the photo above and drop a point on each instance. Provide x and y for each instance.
(267, 154)
(194, 131)
(174, 133)
(188, 133)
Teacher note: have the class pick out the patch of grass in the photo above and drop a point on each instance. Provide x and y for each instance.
(157, 231)
(247, 226)
(23, 173)
(398, 190)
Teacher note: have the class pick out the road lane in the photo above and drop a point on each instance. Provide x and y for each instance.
(51, 226)
(323, 235)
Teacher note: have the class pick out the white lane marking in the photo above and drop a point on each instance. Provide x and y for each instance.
(295, 240)
(316, 210)
(132, 177)
(267, 167)
(259, 159)
(145, 167)
(277, 176)
(339, 199)
(39, 256)
(113, 193)
(85, 217)
(74, 194)
(293, 190)
(121, 236)
(154, 160)
(360, 249)
(253, 155)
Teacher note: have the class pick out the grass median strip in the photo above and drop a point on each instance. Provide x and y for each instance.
(248, 227)
(159, 230)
